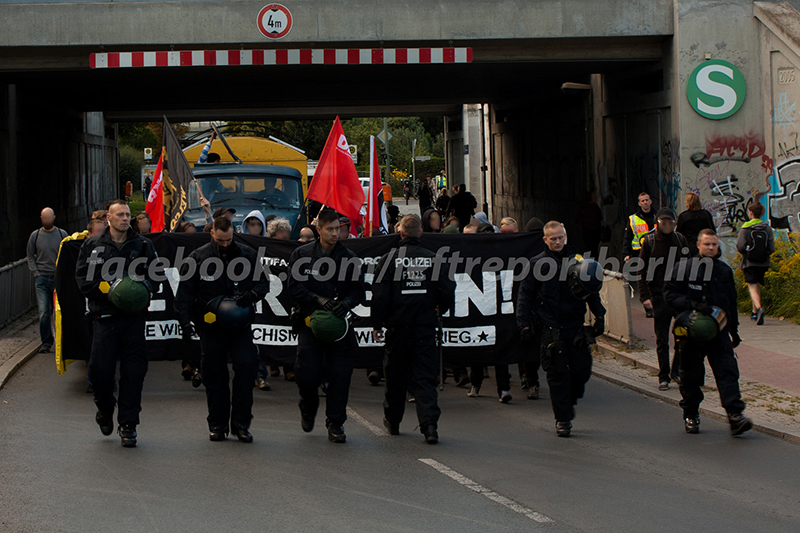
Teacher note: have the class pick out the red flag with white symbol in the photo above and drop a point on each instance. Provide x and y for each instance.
(155, 200)
(335, 183)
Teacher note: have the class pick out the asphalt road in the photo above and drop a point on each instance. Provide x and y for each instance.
(628, 467)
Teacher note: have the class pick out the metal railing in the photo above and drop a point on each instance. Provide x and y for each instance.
(616, 297)
(17, 291)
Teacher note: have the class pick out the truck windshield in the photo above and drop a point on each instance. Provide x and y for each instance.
(256, 191)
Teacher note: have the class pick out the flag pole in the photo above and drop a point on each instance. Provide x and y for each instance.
(371, 192)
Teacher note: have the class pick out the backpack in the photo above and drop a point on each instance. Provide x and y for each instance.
(757, 250)
(649, 239)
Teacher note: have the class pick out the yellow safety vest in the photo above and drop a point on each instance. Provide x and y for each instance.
(639, 228)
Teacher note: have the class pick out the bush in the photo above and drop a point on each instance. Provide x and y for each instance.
(130, 166)
(780, 295)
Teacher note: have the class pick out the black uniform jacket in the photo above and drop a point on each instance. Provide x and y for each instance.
(98, 251)
(719, 291)
(207, 283)
(346, 287)
(408, 287)
(546, 293)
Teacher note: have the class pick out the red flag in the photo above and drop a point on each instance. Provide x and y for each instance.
(335, 183)
(376, 213)
(155, 200)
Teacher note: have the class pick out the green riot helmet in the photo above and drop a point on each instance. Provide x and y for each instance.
(129, 295)
(224, 312)
(327, 327)
(695, 326)
(584, 277)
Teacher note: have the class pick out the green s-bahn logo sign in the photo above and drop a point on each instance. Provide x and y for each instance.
(716, 89)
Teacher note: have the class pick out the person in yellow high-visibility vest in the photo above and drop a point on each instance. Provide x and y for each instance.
(639, 223)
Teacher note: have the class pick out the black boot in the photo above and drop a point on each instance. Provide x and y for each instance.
(692, 425)
(127, 434)
(739, 424)
(563, 429)
(430, 433)
(307, 421)
(217, 435)
(393, 429)
(241, 433)
(105, 421)
(336, 433)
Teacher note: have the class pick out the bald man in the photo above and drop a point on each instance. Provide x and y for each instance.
(42, 252)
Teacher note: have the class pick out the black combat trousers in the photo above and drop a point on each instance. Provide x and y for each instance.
(568, 363)
(218, 344)
(411, 364)
(118, 338)
(724, 367)
(333, 362)
(662, 320)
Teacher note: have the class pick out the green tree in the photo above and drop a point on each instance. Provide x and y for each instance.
(130, 165)
(138, 135)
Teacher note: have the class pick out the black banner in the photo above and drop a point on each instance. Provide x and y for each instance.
(177, 176)
(481, 329)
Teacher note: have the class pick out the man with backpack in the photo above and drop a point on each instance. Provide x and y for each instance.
(42, 251)
(756, 243)
(661, 248)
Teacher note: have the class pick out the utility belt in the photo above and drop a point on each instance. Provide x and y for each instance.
(561, 343)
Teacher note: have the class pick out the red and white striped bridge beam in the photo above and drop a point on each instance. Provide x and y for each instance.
(210, 58)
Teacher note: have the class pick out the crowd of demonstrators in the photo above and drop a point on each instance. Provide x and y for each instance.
(42, 252)
(550, 313)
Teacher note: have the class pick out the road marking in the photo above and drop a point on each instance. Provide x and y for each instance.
(366, 423)
(483, 491)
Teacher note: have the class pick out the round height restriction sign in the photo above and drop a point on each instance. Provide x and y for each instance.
(716, 89)
(274, 21)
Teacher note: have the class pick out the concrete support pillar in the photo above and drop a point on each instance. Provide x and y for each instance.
(472, 124)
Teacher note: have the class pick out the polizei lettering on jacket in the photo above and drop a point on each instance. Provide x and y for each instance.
(413, 262)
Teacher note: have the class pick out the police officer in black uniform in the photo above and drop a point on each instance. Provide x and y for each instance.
(117, 330)
(410, 289)
(206, 298)
(692, 287)
(324, 275)
(557, 290)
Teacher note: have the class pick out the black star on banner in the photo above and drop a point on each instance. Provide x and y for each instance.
(482, 337)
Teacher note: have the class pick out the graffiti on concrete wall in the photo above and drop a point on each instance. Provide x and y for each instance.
(784, 196)
(731, 174)
(669, 179)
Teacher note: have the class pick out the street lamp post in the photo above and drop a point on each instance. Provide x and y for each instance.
(413, 159)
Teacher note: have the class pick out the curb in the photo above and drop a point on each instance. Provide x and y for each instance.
(10, 367)
(716, 413)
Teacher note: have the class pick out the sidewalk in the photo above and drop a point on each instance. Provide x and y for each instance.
(769, 364)
(19, 341)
